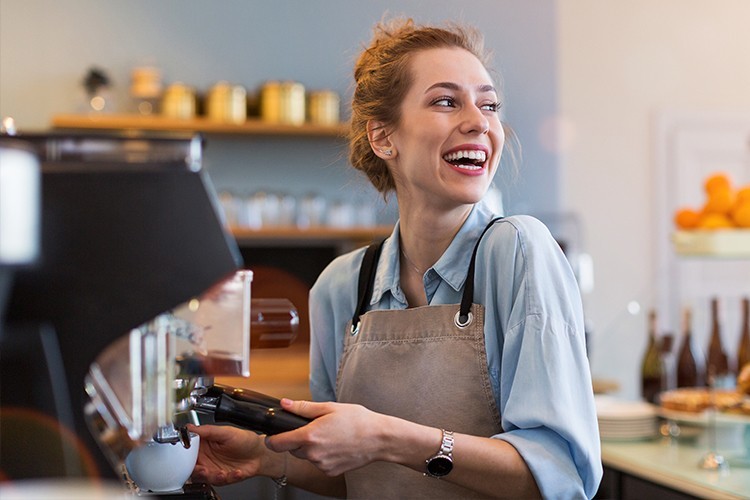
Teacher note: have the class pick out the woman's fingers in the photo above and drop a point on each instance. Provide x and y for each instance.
(307, 409)
(209, 432)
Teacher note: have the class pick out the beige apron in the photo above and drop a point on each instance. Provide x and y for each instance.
(419, 365)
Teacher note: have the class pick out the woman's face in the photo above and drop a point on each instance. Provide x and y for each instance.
(449, 139)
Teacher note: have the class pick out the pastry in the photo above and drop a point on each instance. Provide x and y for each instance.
(743, 380)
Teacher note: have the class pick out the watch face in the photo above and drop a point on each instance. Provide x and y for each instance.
(440, 466)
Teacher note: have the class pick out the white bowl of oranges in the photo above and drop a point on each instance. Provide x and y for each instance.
(721, 226)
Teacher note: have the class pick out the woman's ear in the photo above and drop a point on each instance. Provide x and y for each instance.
(379, 140)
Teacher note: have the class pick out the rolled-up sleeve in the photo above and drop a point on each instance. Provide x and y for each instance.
(546, 411)
(545, 393)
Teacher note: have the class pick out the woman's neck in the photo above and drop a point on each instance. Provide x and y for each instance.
(426, 234)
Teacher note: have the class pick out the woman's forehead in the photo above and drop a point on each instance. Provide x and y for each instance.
(448, 67)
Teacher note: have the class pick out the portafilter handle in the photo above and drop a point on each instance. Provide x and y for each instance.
(247, 409)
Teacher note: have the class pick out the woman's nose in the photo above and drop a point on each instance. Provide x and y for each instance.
(474, 121)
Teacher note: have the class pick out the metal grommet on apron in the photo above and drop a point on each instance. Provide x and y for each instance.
(463, 321)
(425, 364)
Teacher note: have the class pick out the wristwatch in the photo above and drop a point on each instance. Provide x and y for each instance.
(441, 464)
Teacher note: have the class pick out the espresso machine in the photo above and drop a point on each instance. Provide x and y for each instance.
(128, 299)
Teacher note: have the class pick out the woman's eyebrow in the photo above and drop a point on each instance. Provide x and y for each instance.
(443, 85)
(455, 87)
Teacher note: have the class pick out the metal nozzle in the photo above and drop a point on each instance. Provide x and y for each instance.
(167, 434)
(177, 432)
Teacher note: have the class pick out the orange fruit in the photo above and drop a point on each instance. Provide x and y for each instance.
(743, 194)
(718, 180)
(741, 214)
(720, 200)
(687, 218)
(715, 221)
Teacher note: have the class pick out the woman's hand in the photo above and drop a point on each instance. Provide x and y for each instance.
(227, 454)
(341, 438)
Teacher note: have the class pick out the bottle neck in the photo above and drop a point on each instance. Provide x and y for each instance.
(652, 327)
(715, 326)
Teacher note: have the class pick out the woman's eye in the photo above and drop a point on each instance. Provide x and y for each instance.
(444, 101)
(492, 106)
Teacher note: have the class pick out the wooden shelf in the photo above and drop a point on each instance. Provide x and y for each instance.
(201, 124)
(313, 235)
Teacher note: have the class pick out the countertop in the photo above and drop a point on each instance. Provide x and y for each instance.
(676, 465)
(669, 463)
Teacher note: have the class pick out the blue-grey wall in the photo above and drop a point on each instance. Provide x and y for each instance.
(46, 46)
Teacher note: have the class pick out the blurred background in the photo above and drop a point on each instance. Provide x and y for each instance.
(621, 109)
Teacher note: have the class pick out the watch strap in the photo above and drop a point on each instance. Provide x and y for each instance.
(446, 446)
(440, 464)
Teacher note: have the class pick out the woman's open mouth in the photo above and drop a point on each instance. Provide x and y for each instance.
(469, 161)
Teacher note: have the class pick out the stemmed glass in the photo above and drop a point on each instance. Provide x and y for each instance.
(712, 460)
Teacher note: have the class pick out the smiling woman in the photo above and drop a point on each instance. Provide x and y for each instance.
(454, 348)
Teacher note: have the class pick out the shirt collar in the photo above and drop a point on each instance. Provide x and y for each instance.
(453, 265)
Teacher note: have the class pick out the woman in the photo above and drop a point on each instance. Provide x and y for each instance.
(420, 396)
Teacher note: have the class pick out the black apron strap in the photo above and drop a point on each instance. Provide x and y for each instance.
(366, 281)
(467, 299)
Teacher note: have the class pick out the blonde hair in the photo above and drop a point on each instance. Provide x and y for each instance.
(382, 79)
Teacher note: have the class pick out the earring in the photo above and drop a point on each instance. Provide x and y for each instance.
(386, 152)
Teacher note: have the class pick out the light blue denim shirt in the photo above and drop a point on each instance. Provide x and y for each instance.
(534, 337)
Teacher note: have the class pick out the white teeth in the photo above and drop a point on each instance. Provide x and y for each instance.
(468, 154)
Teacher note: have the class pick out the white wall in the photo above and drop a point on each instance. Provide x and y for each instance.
(620, 64)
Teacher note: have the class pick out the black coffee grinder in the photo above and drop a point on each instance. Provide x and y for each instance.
(126, 230)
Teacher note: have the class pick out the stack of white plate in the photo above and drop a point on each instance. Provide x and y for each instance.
(621, 420)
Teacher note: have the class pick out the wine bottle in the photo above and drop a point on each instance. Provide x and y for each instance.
(717, 365)
(687, 367)
(666, 341)
(743, 350)
(651, 366)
